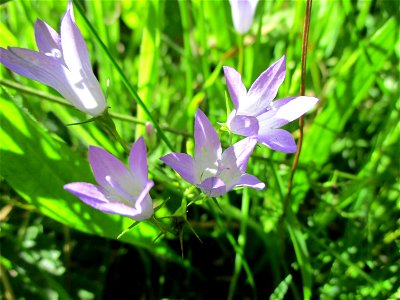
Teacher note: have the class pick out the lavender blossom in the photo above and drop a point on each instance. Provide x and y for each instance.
(214, 172)
(62, 63)
(120, 191)
(243, 14)
(255, 113)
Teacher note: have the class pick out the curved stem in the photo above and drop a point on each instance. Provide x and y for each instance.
(183, 8)
(108, 125)
(61, 101)
(302, 92)
(241, 243)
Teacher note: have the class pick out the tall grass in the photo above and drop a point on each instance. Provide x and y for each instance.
(163, 60)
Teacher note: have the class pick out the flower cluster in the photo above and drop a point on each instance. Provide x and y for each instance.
(214, 172)
(63, 63)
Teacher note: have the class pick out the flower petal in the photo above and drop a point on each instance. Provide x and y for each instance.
(95, 197)
(250, 181)
(264, 89)
(243, 125)
(207, 144)
(213, 187)
(51, 71)
(183, 164)
(236, 88)
(112, 174)
(144, 203)
(47, 39)
(277, 139)
(286, 110)
(138, 161)
(76, 57)
(74, 47)
(238, 155)
(36, 66)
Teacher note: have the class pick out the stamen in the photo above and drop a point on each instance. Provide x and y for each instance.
(54, 53)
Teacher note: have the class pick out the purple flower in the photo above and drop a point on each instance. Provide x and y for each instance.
(214, 172)
(243, 14)
(62, 63)
(255, 113)
(120, 191)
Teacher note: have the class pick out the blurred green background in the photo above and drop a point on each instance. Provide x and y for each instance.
(341, 239)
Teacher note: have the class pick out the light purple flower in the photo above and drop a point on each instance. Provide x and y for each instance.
(120, 191)
(62, 63)
(214, 172)
(255, 114)
(243, 14)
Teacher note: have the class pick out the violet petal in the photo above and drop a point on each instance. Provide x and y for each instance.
(74, 47)
(47, 39)
(36, 66)
(238, 155)
(236, 88)
(207, 144)
(264, 89)
(183, 164)
(76, 57)
(243, 125)
(95, 197)
(278, 140)
(286, 110)
(250, 181)
(52, 72)
(144, 203)
(138, 160)
(112, 174)
(213, 187)
(234, 161)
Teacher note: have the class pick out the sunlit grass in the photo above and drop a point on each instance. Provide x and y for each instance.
(343, 227)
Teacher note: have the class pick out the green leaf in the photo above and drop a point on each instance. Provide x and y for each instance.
(37, 165)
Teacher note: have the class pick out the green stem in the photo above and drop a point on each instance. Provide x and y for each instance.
(61, 101)
(236, 248)
(108, 125)
(183, 8)
(241, 243)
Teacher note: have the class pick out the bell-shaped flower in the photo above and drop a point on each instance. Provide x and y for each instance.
(214, 172)
(62, 63)
(243, 14)
(255, 114)
(121, 190)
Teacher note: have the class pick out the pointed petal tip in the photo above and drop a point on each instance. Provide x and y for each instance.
(227, 69)
(70, 10)
(93, 150)
(200, 114)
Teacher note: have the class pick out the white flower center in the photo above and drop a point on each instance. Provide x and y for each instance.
(208, 172)
(117, 193)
